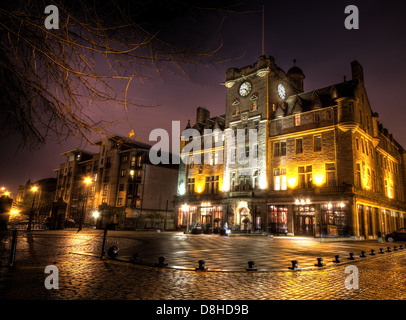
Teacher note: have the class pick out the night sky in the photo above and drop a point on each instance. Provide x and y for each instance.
(312, 32)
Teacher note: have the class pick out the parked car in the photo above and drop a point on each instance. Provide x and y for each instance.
(398, 235)
(69, 223)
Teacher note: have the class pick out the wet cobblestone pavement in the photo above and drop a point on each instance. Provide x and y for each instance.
(84, 276)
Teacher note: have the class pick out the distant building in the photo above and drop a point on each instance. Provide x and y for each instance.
(120, 182)
(324, 164)
(39, 199)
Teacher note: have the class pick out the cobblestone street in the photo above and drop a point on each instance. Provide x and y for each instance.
(82, 275)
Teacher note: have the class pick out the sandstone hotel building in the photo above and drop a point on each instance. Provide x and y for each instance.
(326, 166)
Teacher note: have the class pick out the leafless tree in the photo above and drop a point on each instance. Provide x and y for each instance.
(52, 80)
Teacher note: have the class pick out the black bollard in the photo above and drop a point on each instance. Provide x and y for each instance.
(251, 266)
(136, 258)
(13, 249)
(389, 249)
(363, 254)
(103, 251)
(395, 248)
(381, 250)
(294, 265)
(161, 262)
(319, 263)
(372, 252)
(401, 247)
(337, 259)
(112, 252)
(202, 266)
(351, 257)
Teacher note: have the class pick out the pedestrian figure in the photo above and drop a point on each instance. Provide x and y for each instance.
(379, 237)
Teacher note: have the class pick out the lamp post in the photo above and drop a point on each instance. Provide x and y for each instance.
(34, 189)
(87, 181)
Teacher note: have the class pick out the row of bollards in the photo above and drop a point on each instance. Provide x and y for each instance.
(350, 257)
(251, 264)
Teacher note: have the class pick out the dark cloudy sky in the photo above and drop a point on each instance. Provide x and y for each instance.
(312, 32)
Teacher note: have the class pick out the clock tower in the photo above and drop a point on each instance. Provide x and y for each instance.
(253, 95)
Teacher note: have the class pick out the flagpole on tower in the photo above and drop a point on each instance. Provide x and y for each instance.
(263, 30)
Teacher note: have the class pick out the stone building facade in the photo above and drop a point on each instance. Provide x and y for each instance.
(324, 164)
(120, 183)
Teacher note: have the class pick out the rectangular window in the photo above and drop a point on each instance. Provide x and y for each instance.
(123, 173)
(280, 179)
(305, 176)
(357, 143)
(119, 201)
(373, 181)
(297, 119)
(316, 116)
(121, 187)
(331, 174)
(276, 149)
(317, 143)
(299, 146)
(283, 148)
(207, 185)
(191, 185)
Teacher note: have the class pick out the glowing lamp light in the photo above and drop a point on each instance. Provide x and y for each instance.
(88, 180)
(14, 212)
(318, 179)
(292, 182)
(182, 189)
(262, 183)
(34, 188)
(96, 214)
(185, 208)
(199, 189)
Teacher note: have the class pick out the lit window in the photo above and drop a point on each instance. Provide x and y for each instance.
(280, 179)
(297, 119)
(331, 174)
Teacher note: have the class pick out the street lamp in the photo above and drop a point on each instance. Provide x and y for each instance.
(34, 190)
(87, 181)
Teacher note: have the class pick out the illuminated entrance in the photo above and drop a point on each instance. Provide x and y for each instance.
(304, 218)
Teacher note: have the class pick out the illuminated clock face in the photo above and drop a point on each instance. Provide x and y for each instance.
(281, 91)
(245, 89)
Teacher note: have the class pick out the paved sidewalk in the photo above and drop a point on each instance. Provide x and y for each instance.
(87, 277)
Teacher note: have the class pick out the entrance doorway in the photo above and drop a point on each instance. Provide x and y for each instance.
(305, 221)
